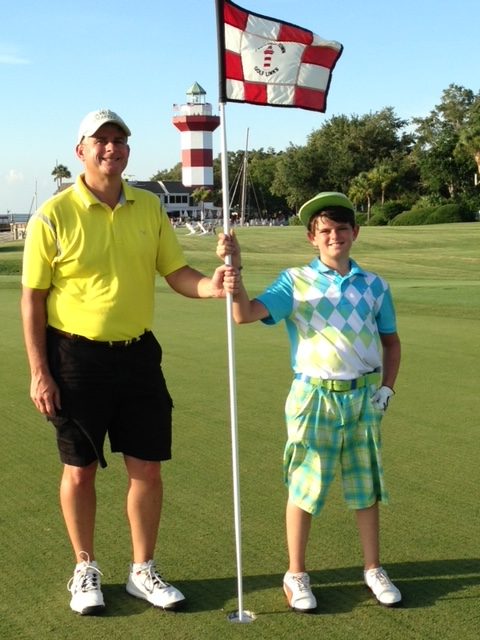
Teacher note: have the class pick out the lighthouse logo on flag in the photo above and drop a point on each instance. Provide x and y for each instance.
(271, 62)
(267, 59)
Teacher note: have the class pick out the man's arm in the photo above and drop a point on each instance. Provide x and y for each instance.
(193, 284)
(44, 391)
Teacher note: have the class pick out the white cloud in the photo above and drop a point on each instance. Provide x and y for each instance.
(9, 55)
(14, 177)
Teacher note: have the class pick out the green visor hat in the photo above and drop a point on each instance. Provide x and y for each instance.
(321, 202)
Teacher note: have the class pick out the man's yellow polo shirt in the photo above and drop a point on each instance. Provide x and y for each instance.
(100, 264)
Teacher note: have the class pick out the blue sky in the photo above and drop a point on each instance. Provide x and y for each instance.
(60, 60)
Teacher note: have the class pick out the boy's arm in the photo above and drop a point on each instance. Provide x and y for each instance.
(244, 310)
(391, 358)
(391, 364)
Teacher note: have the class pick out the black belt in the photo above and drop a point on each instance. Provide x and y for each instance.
(341, 385)
(109, 343)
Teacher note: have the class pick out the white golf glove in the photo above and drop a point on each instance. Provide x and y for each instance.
(381, 397)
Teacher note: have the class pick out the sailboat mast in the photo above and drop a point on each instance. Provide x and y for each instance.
(243, 201)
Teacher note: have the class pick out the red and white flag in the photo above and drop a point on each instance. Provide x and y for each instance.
(266, 61)
(262, 61)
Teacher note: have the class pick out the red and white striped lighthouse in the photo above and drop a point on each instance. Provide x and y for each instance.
(196, 124)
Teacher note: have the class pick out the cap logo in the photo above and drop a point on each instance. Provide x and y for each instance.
(96, 119)
(105, 114)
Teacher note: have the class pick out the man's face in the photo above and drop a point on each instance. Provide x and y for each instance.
(106, 152)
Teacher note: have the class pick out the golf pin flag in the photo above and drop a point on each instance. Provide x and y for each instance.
(266, 61)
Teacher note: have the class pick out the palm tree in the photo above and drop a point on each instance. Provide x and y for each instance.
(381, 176)
(201, 195)
(469, 139)
(361, 190)
(60, 172)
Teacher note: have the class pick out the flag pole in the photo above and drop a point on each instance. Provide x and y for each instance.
(240, 615)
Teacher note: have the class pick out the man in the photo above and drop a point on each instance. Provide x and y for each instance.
(90, 260)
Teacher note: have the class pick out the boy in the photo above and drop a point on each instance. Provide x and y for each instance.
(345, 354)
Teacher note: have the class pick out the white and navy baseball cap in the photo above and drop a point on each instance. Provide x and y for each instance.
(95, 119)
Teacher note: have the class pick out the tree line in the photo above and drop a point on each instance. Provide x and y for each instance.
(386, 165)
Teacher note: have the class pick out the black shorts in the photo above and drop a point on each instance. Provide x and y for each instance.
(119, 390)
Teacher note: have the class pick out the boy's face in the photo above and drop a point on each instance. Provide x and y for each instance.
(333, 240)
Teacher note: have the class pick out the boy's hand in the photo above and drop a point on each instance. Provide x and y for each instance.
(381, 398)
(227, 245)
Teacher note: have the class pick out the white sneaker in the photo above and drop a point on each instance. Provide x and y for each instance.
(145, 582)
(299, 594)
(85, 587)
(382, 587)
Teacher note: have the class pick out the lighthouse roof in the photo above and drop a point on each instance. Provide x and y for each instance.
(196, 90)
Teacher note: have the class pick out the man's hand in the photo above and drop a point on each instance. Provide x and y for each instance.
(225, 280)
(45, 395)
(381, 398)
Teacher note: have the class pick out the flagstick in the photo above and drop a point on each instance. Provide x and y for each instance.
(240, 615)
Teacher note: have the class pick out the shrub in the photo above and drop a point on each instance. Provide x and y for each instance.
(445, 213)
(361, 219)
(468, 215)
(378, 220)
(431, 201)
(451, 213)
(294, 221)
(410, 218)
(389, 209)
(471, 206)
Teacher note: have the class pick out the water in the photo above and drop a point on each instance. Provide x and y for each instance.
(7, 218)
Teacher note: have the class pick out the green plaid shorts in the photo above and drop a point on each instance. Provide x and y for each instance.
(326, 428)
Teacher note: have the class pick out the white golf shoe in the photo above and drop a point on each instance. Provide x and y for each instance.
(298, 592)
(85, 587)
(382, 587)
(145, 582)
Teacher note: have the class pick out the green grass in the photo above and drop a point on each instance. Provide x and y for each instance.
(11, 258)
(430, 532)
